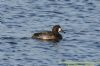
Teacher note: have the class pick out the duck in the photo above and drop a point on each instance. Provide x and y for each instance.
(49, 35)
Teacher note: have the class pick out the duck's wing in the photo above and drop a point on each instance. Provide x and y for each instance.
(49, 33)
(43, 35)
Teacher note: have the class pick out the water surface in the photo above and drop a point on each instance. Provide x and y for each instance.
(19, 19)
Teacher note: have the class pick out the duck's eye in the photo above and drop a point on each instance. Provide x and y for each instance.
(59, 29)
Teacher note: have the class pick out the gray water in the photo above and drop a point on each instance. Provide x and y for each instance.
(19, 19)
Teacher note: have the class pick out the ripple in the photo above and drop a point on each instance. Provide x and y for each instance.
(31, 14)
(9, 38)
(67, 0)
(42, 48)
(11, 42)
(12, 26)
(25, 38)
(30, 59)
(18, 59)
(20, 65)
(18, 16)
(52, 0)
(96, 45)
(0, 42)
(6, 64)
(73, 46)
(97, 30)
(1, 50)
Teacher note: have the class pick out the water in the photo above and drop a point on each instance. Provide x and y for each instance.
(19, 19)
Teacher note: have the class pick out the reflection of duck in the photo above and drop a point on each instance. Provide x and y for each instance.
(49, 35)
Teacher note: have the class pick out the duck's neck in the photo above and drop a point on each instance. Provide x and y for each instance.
(55, 32)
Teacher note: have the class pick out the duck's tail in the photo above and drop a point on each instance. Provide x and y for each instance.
(35, 35)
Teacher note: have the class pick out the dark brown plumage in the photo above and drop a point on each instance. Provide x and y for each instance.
(49, 35)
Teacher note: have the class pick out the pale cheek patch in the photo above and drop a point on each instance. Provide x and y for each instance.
(59, 29)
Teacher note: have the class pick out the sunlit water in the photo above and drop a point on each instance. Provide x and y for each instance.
(19, 19)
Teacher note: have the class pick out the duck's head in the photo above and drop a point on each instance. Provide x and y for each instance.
(57, 28)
